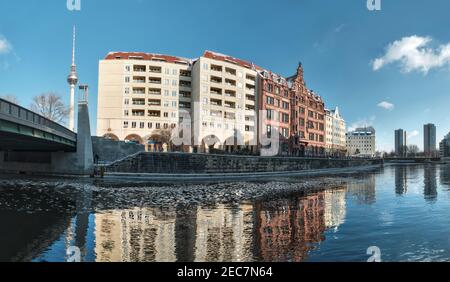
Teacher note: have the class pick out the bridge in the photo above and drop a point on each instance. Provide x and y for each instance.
(22, 130)
(31, 143)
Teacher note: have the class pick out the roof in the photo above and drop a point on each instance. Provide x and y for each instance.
(229, 59)
(145, 57)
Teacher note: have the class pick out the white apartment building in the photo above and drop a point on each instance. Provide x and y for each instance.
(141, 94)
(361, 142)
(335, 130)
(224, 103)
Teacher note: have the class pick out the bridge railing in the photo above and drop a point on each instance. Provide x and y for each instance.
(29, 117)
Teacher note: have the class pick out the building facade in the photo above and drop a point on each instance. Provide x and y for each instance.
(400, 143)
(224, 103)
(444, 147)
(274, 102)
(335, 130)
(361, 142)
(429, 139)
(307, 118)
(140, 95)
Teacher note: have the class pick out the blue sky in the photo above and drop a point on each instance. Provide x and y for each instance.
(337, 42)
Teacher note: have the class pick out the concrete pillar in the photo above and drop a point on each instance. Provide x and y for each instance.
(85, 155)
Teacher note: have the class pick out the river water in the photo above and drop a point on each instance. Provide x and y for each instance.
(398, 213)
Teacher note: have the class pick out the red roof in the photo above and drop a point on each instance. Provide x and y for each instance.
(226, 58)
(144, 56)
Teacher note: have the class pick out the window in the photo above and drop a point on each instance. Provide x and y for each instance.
(166, 93)
(127, 101)
(166, 82)
(127, 79)
(167, 71)
(133, 124)
(174, 93)
(205, 66)
(269, 131)
(174, 71)
(285, 118)
(142, 125)
(127, 68)
(269, 87)
(166, 115)
(126, 113)
(150, 125)
(174, 83)
(269, 114)
(174, 103)
(127, 90)
(205, 101)
(158, 125)
(125, 124)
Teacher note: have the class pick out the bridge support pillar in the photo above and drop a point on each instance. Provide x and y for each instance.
(85, 155)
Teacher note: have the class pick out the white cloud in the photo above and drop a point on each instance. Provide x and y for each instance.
(5, 46)
(362, 123)
(413, 134)
(414, 53)
(386, 105)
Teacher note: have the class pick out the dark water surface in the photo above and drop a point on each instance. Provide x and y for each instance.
(402, 210)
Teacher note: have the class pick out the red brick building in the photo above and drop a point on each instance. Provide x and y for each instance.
(307, 118)
(274, 101)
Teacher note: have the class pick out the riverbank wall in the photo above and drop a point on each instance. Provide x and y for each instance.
(183, 163)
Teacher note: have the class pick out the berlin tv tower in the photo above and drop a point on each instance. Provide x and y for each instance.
(73, 81)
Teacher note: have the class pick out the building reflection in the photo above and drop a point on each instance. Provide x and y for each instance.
(363, 190)
(335, 207)
(445, 176)
(430, 183)
(401, 179)
(274, 230)
(224, 234)
(286, 229)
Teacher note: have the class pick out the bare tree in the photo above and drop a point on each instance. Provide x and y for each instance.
(413, 150)
(51, 106)
(11, 98)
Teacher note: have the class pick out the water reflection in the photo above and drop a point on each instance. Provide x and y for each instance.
(40, 225)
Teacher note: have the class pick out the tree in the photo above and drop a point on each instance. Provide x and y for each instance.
(162, 136)
(413, 150)
(11, 98)
(51, 106)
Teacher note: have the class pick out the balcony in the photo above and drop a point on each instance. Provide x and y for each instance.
(154, 113)
(185, 94)
(230, 93)
(230, 115)
(250, 97)
(138, 102)
(154, 102)
(185, 73)
(138, 113)
(229, 104)
(250, 77)
(215, 79)
(185, 105)
(249, 107)
(230, 82)
(138, 79)
(214, 113)
(139, 68)
(216, 91)
(154, 91)
(216, 102)
(230, 71)
(184, 83)
(155, 69)
(138, 90)
(216, 68)
(154, 80)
